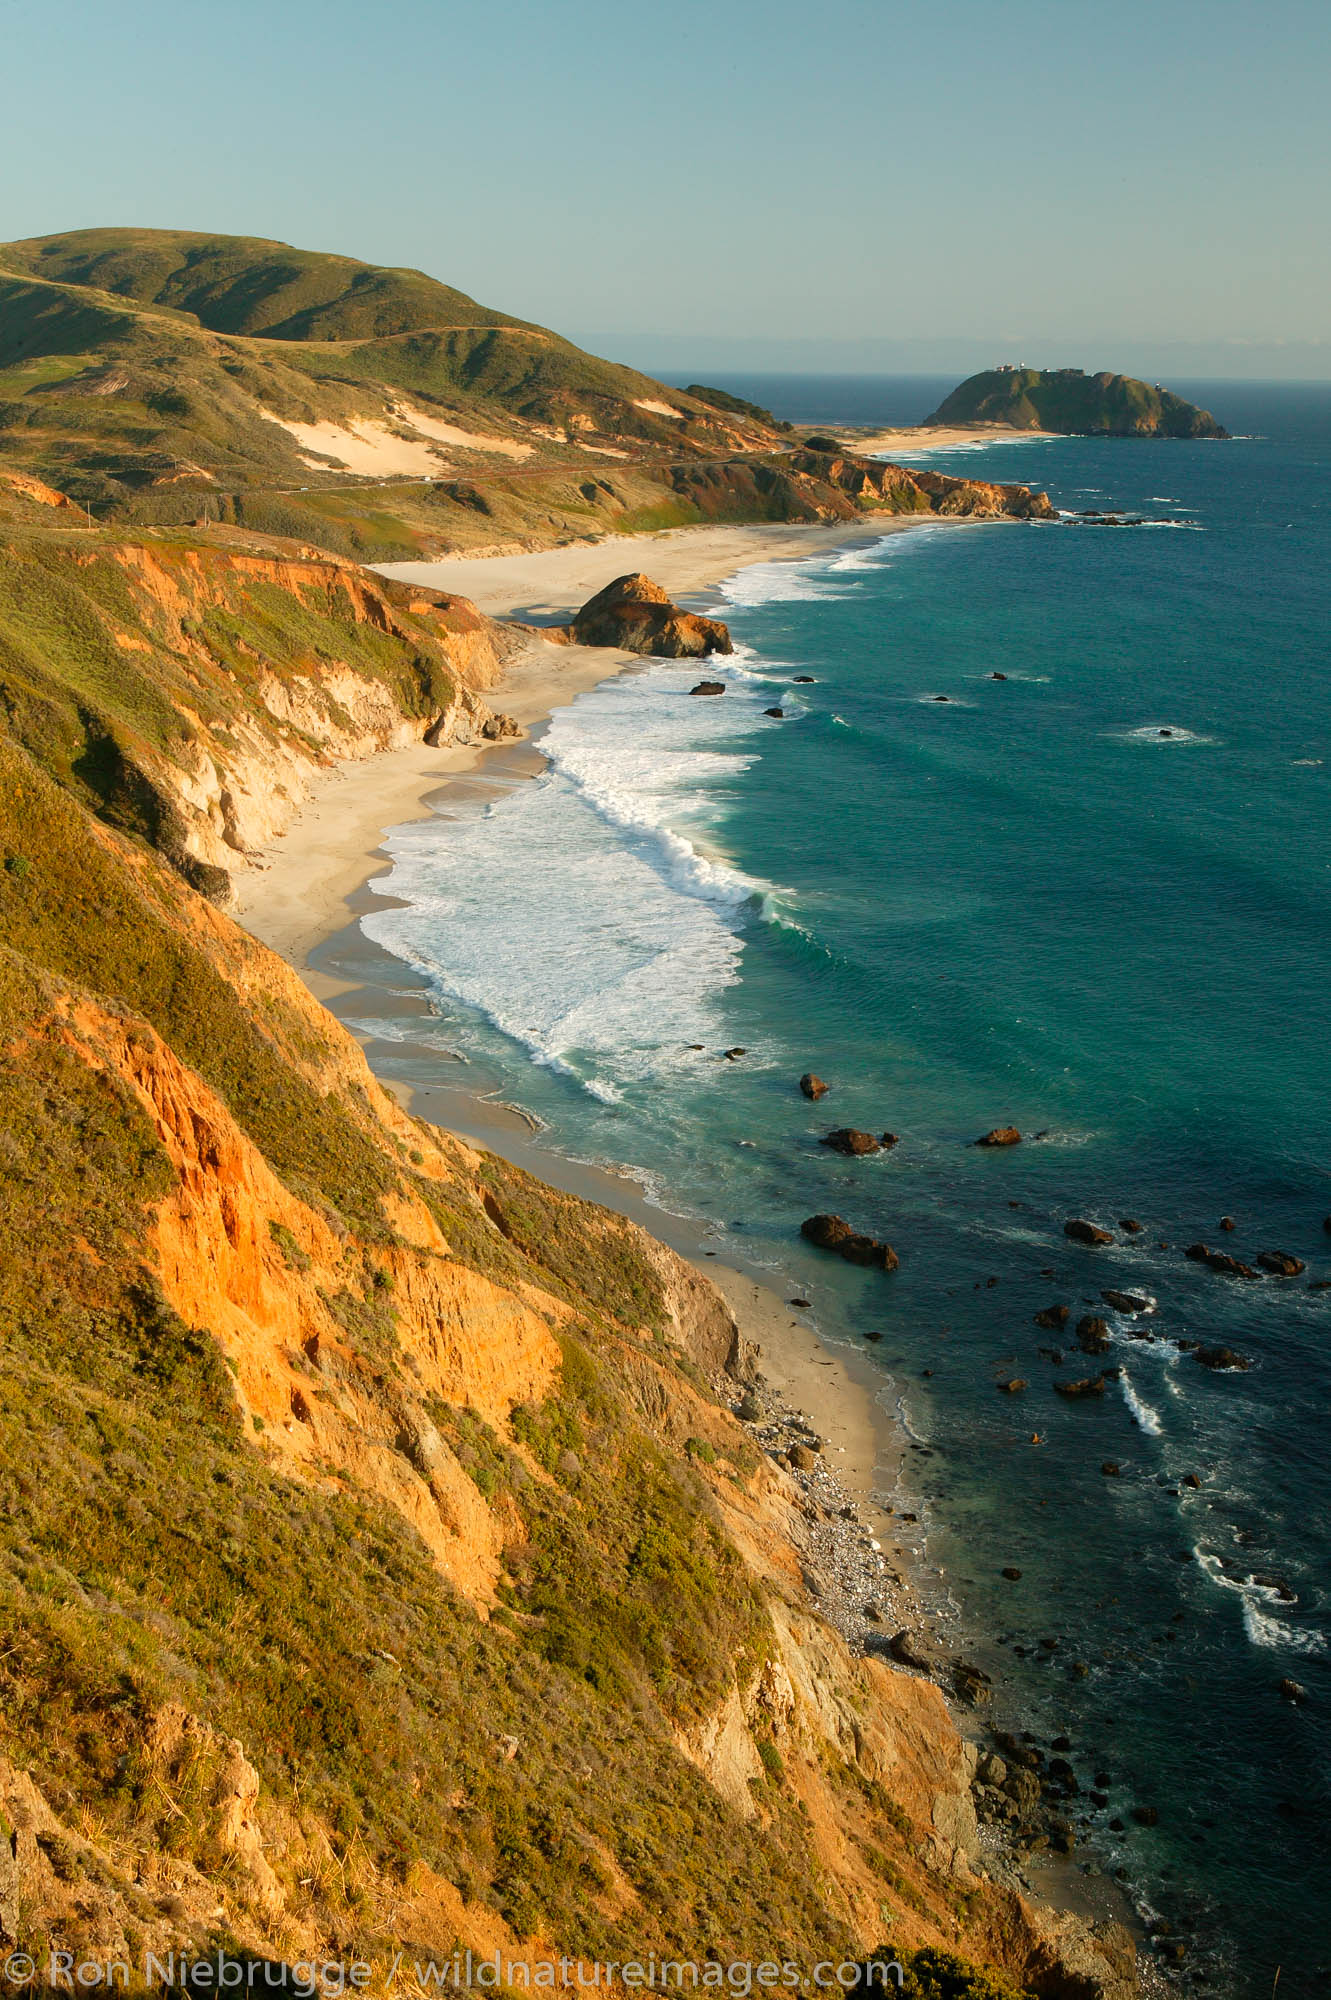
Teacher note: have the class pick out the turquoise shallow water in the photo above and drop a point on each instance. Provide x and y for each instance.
(1023, 905)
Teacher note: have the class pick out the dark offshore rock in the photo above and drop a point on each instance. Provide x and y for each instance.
(1086, 1232)
(887, 1140)
(1227, 1222)
(813, 1086)
(1012, 1385)
(826, 1232)
(778, 713)
(1092, 1334)
(1221, 1357)
(1089, 1385)
(1012, 1573)
(637, 615)
(1127, 1302)
(709, 687)
(1002, 1135)
(803, 680)
(867, 1250)
(1293, 1690)
(845, 1139)
(1218, 1260)
(1283, 1265)
(1111, 1469)
(832, 1232)
(1131, 1224)
(1053, 1317)
(872, 1333)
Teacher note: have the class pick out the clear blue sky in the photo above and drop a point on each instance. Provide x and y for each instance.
(1097, 181)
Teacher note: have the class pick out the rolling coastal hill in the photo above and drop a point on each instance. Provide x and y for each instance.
(382, 1559)
(1070, 401)
(168, 379)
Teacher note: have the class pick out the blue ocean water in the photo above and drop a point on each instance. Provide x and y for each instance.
(1029, 905)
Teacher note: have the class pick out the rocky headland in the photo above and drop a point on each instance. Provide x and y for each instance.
(1070, 401)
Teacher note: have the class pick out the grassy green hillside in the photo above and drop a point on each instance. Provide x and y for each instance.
(1070, 401)
(153, 373)
(246, 284)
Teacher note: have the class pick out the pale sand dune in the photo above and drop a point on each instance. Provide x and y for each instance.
(376, 451)
(363, 447)
(443, 433)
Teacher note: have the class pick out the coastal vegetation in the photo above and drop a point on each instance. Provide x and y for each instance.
(382, 1561)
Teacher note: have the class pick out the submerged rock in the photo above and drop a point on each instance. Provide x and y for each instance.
(1053, 1317)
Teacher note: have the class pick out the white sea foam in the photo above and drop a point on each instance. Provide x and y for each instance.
(780, 583)
(1143, 1415)
(588, 913)
(1169, 732)
(1262, 1627)
(1277, 1633)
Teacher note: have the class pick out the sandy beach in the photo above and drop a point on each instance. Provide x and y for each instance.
(547, 584)
(909, 439)
(298, 894)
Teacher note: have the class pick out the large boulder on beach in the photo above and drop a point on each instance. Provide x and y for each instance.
(636, 615)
